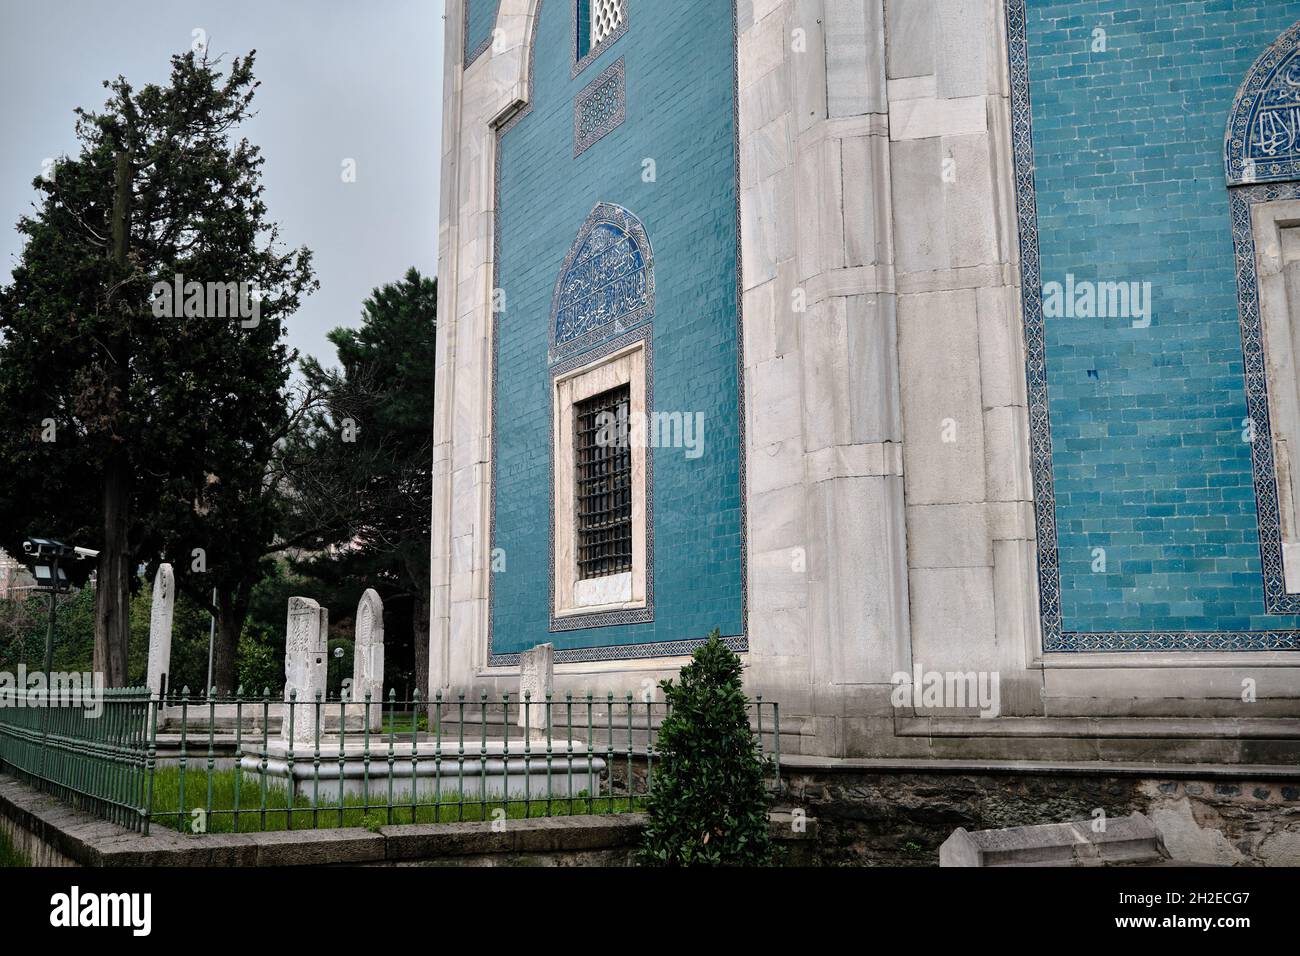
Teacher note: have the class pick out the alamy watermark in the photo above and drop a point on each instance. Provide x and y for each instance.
(957, 690)
(58, 689)
(75, 909)
(1084, 299)
(208, 300)
(655, 430)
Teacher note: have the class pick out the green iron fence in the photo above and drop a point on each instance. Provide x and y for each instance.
(91, 752)
(253, 763)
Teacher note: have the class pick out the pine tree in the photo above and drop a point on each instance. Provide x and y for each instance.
(364, 461)
(122, 428)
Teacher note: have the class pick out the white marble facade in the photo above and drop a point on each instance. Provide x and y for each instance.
(890, 514)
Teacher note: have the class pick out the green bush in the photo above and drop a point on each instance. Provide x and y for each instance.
(709, 804)
(260, 668)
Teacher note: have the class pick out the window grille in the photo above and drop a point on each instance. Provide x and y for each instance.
(606, 17)
(604, 484)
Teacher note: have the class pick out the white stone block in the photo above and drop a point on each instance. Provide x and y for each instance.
(1006, 445)
(778, 519)
(764, 99)
(918, 202)
(948, 536)
(968, 202)
(809, 67)
(921, 119)
(911, 36)
(964, 31)
(767, 217)
(861, 157)
(953, 619)
(779, 578)
(859, 599)
(913, 88)
(764, 49)
(873, 392)
(943, 420)
(848, 69)
(1002, 347)
(776, 401)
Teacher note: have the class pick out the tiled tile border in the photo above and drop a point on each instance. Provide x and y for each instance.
(1055, 637)
(1242, 199)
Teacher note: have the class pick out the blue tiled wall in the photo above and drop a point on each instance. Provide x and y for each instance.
(680, 108)
(1148, 457)
(480, 20)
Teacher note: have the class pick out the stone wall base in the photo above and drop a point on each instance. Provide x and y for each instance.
(901, 817)
(828, 813)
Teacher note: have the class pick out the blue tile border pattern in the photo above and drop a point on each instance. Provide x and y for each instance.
(1276, 598)
(623, 652)
(1262, 142)
(1055, 638)
(600, 108)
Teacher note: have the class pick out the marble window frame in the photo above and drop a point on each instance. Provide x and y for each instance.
(622, 366)
(1279, 310)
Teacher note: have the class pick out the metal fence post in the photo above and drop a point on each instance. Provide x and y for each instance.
(151, 759)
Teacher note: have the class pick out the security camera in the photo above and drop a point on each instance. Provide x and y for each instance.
(29, 546)
(84, 553)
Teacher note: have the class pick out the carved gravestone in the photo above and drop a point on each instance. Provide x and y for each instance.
(536, 680)
(160, 628)
(368, 659)
(306, 649)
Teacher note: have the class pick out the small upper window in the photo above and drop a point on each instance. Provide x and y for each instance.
(599, 22)
(606, 17)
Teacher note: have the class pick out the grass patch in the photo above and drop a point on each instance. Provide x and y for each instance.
(403, 722)
(219, 816)
(9, 855)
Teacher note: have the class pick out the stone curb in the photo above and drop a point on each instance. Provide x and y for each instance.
(88, 841)
(93, 842)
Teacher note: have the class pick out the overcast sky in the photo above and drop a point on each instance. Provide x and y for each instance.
(340, 79)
